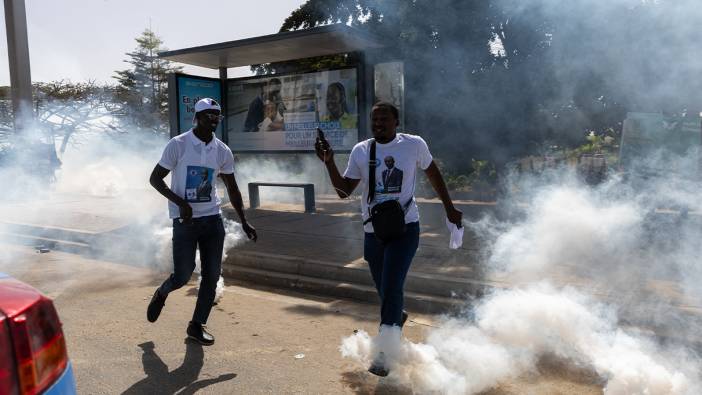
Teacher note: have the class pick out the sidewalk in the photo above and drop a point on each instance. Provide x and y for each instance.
(300, 250)
(323, 252)
(319, 253)
(267, 341)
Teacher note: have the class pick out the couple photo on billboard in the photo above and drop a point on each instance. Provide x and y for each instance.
(283, 112)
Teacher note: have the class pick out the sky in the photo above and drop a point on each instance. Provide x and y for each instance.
(82, 40)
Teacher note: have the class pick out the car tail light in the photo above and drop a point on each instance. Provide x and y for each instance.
(40, 348)
(8, 370)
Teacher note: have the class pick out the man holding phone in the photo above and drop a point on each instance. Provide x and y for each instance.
(194, 159)
(388, 260)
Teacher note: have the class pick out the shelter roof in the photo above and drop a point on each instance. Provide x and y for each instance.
(298, 44)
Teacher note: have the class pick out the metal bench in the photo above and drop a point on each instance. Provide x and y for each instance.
(255, 200)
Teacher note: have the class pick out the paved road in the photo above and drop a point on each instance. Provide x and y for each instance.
(259, 333)
(115, 350)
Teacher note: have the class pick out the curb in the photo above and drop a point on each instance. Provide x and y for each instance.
(424, 292)
(51, 244)
(420, 303)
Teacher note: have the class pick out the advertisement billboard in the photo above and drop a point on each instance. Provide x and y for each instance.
(190, 89)
(282, 112)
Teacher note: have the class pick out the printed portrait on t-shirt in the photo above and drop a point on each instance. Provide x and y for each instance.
(391, 176)
(198, 184)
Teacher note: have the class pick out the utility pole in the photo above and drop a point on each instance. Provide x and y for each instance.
(18, 54)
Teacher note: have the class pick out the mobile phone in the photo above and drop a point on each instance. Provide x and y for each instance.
(322, 144)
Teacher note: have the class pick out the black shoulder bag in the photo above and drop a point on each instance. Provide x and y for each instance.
(388, 217)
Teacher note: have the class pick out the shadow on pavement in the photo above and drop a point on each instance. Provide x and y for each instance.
(364, 383)
(183, 379)
(360, 314)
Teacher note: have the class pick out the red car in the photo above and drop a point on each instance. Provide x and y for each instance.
(33, 357)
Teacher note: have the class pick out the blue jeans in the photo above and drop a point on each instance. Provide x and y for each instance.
(207, 233)
(389, 264)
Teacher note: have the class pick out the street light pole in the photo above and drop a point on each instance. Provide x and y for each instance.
(18, 54)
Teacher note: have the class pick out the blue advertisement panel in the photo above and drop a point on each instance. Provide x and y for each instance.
(190, 90)
(282, 112)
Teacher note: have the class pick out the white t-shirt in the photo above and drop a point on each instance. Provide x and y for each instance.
(264, 126)
(395, 172)
(194, 166)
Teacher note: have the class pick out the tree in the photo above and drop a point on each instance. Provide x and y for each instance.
(495, 79)
(143, 89)
(65, 109)
(6, 123)
(447, 63)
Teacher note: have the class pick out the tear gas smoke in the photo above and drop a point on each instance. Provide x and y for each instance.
(284, 168)
(581, 262)
(593, 270)
(497, 79)
(102, 179)
(513, 330)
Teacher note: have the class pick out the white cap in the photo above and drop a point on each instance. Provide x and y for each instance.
(207, 104)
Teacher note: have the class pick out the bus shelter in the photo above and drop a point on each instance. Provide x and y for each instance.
(280, 112)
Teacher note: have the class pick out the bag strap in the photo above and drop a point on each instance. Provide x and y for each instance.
(371, 173)
(407, 205)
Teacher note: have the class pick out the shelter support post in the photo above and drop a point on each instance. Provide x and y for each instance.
(173, 105)
(366, 94)
(18, 54)
(223, 88)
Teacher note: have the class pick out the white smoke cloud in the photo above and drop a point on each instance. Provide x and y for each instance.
(589, 231)
(580, 260)
(514, 329)
(282, 168)
(105, 178)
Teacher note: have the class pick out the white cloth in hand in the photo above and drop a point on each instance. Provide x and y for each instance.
(456, 235)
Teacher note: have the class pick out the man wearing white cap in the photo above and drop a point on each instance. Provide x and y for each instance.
(194, 159)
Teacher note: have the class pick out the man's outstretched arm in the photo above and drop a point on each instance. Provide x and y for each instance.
(344, 186)
(437, 182)
(238, 204)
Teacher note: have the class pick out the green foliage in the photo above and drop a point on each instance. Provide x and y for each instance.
(447, 62)
(324, 12)
(65, 109)
(605, 143)
(315, 13)
(5, 93)
(142, 90)
(482, 176)
(307, 64)
(559, 70)
(456, 182)
(66, 90)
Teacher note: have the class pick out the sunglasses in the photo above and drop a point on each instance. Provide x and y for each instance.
(213, 117)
